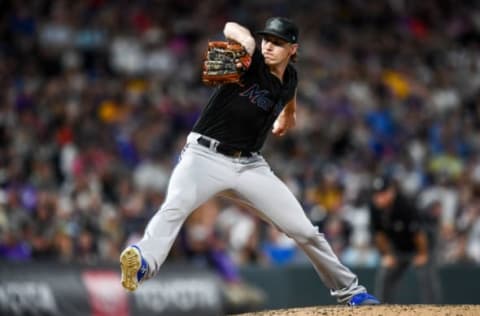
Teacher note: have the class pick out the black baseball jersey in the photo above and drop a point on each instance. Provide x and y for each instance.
(242, 115)
(400, 223)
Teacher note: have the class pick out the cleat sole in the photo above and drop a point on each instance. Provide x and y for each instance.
(130, 262)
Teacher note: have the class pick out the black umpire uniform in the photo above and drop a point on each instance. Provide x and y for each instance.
(399, 234)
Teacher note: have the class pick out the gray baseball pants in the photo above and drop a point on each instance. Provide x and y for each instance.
(202, 173)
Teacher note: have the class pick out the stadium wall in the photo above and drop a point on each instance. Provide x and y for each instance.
(61, 289)
(300, 285)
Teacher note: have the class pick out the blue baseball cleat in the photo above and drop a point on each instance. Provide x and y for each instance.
(133, 266)
(363, 299)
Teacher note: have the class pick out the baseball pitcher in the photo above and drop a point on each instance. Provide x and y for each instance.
(254, 94)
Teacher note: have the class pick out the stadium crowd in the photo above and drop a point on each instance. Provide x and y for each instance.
(97, 97)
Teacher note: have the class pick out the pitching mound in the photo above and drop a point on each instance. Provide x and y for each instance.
(380, 310)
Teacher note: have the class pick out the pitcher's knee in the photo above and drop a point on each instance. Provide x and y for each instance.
(304, 236)
(174, 213)
(178, 205)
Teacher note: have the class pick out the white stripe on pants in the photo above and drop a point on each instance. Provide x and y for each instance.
(202, 173)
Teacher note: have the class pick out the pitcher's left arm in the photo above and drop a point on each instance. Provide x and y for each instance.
(287, 119)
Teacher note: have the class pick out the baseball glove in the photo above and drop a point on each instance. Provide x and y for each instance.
(225, 62)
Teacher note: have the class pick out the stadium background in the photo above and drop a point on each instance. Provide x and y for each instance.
(97, 97)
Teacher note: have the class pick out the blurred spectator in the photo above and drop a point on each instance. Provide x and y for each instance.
(359, 251)
(336, 228)
(469, 225)
(14, 247)
(240, 231)
(328, 193)
(201, 244)
(278, 249)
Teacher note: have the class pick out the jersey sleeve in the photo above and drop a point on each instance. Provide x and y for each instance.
(293, 82)
(256, 67)
(257, 59)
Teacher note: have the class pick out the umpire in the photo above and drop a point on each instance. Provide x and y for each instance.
(399, 234)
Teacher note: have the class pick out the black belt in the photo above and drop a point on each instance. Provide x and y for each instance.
(224, 149)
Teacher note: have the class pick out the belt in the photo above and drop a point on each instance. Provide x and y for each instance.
(223, 149)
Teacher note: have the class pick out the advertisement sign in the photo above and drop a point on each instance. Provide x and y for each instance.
(60, 289)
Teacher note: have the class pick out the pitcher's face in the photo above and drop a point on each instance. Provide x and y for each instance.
(276, 51)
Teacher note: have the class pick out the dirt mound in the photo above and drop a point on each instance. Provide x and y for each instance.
(379, 310)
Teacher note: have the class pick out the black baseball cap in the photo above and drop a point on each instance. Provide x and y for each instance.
(282, 28)
(381, 184)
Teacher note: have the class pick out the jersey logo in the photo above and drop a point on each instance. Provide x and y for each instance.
(258, 97)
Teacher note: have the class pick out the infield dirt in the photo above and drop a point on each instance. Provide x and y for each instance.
(379, 310)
